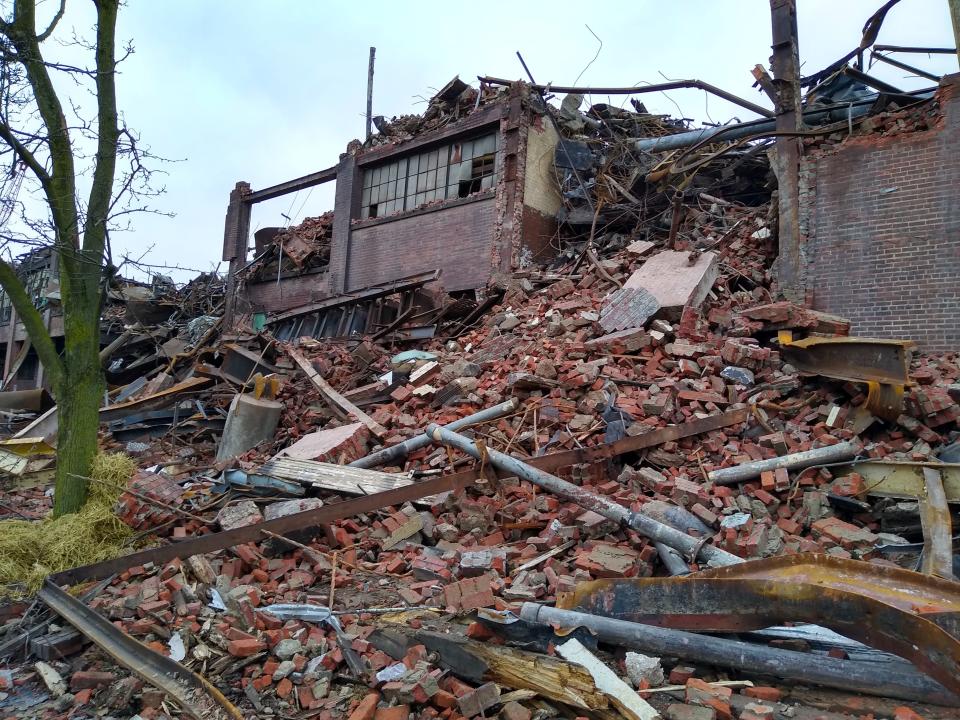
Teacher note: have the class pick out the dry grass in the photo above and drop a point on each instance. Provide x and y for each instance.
(29, 551)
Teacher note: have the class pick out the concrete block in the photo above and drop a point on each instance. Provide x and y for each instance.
(675, 282)
(250, 421)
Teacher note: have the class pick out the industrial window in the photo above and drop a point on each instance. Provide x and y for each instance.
(450, 171)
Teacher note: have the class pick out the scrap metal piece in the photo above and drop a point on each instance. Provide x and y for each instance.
(906, 479)
(322, 615)
(909, 614)
(601, 505)
(198, 545)
(164, 398)
(457, 481)
(937, 529)
(896, 679)
(194, 694)
(883, 364)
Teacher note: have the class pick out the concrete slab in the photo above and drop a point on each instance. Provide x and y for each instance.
(675, 282)
(627, 308)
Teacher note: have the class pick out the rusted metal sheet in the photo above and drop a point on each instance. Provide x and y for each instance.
(905, 479)
(909, 614)
(852, 358)
(195, 695)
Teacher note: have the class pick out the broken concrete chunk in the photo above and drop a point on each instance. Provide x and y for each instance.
(250, 421)
(239, 515)
(51, 678)
(291, 507)
(643, 668)
(674, 281)
(621, 342)
(640, 247)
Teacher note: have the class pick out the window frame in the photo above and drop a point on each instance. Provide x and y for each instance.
(406, 183)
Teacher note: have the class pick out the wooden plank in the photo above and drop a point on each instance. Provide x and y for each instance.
(549, 677)
(164, 398)
(336, 401)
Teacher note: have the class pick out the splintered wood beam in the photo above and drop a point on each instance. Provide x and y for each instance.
(549, 677)
(337, 402)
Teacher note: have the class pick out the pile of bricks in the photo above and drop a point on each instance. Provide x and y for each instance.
(502, 543)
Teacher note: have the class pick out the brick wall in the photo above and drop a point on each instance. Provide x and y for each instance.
(288, 293)
(881, 223)
(457, 239)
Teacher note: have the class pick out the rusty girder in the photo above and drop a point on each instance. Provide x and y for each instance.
(909, 614)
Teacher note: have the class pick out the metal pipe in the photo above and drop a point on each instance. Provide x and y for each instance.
(373, 56)
(735, 132)
(672, 560)
(921, 50)
(641, 89)
(609, 509)
(904, 66)
(817, 456)
(901, 681)
(401, 450)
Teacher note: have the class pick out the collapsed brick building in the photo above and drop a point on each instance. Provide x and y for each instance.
(473, 197)
(479, 196)
(621, 442)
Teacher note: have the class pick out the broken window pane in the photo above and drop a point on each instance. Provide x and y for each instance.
(456, 170)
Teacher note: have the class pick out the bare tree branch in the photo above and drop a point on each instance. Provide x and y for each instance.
(53, 23)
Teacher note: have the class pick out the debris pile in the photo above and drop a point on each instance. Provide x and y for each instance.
(610, 486)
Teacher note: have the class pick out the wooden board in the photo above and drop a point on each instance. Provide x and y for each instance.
(337, 401)
(337, 478)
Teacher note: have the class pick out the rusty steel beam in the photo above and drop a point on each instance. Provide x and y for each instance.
(254, 533)
(639, 90)
(883, 364)
(194, 694)
(368, 503)
(937, 527)
(284, 188)
(905, 613)
(850, 358)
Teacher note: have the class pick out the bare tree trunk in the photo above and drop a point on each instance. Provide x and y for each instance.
(79, 403)
(77, 377)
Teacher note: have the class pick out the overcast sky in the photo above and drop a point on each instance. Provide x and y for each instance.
(270, 90)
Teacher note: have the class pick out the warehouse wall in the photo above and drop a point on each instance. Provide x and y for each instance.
(880, 221)
(456, 237)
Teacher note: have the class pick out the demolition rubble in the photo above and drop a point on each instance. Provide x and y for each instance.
(628, 482)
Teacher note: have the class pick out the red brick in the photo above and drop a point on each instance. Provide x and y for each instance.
(367, 708)
(763, 692)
